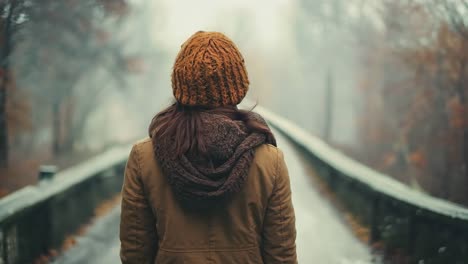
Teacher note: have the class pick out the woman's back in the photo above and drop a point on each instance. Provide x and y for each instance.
(230, 233)
(209, 185)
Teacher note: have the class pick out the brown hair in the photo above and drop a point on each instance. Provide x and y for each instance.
(183, 124)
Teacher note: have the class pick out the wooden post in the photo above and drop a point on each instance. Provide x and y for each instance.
(2, 248)
(375, 215)
(47, 172)
(412, 225)
(11, 245)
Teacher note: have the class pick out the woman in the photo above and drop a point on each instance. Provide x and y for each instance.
(208, 185)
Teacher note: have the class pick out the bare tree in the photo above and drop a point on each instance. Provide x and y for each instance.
(423, 89)
(10, 20)
(69, 42)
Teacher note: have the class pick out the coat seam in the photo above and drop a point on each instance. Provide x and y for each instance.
(138, 177)
(282, 237)
(138, 161)
(139, 164)
(275, 180)
(272, 191)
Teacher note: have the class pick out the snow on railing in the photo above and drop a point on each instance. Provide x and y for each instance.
(37, 218)
(425, 228)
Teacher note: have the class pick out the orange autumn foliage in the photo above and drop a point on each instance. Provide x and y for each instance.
(418, 130)
(418, 159)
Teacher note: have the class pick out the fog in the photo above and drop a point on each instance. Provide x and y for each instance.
(83, 77)
(279, 62)
(385, 82)
(357, 74)
(346, 71)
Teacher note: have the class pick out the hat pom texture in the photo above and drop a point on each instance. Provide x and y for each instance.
(209, 71)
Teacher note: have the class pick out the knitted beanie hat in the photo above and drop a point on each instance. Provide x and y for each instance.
(209, 71)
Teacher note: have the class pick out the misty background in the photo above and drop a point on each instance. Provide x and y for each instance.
(384, 81)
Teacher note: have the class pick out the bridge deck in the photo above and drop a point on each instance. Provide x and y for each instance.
(322, 237)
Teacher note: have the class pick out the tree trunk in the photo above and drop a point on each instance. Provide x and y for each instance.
(3, 124)
(62, 125)
(69, 133)
(462, 93)
(4, 84)
(328, 106)
(56, 128)
(443, 187)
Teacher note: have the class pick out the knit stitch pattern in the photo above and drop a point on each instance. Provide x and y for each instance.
(205, 182)
(209, 71)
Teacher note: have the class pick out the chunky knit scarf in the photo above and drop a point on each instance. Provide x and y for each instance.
(204, 182)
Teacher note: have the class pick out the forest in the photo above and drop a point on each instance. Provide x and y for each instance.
(414, 121)
(385, 81)
(393, 86)
(48, 49)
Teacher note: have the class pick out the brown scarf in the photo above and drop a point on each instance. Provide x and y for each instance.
(205, 182)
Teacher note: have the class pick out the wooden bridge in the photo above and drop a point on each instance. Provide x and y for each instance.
(334, 196)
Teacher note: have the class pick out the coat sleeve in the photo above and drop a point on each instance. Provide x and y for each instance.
(279, 229)
(138, 236)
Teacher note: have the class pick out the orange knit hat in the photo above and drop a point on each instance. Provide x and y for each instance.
(209, 71)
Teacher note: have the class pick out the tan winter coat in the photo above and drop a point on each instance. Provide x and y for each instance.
(256, 226)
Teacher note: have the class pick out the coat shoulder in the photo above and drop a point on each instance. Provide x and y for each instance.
(268, 157)
(267, 152)
(144, 147)
(143, 143)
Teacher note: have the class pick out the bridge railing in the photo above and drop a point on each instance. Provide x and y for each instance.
(411, 226)
(38, 218)
(408, 222)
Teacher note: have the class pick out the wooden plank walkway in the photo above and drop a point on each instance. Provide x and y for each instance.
(322, 237)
